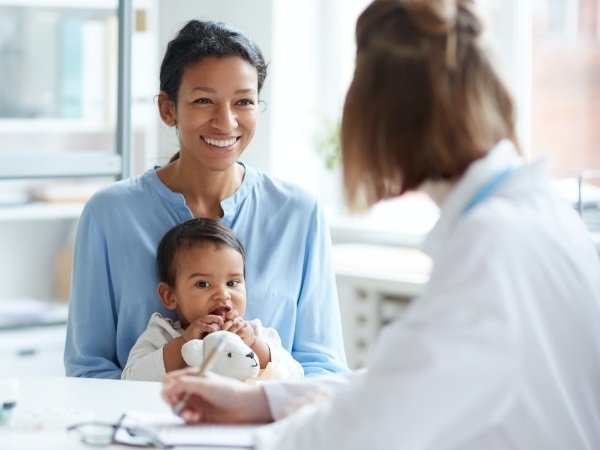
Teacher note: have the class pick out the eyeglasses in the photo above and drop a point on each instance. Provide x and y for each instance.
(103, 434)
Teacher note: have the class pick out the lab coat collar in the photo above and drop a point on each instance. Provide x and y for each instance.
(498, 159)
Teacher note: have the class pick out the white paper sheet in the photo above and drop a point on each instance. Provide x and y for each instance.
(171, 430)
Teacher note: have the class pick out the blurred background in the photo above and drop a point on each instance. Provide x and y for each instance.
(65, 132)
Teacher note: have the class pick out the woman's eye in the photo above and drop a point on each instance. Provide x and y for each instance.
(202, 101)
(202, 284)
(233, 283)
(246, 102)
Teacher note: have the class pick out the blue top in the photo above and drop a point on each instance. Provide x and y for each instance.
(289, 273)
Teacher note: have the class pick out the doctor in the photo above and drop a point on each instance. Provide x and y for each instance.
(502, 350)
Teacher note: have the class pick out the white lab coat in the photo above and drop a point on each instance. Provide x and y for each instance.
(502, 350)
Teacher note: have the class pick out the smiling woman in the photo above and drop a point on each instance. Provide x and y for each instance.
(216, 114)
(210, 82)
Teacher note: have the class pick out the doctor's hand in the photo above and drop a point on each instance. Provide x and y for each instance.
(215, 398)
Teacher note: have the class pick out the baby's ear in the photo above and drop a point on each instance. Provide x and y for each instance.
(167, 295)
(193, 352)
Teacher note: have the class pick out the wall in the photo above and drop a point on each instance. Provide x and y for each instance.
(311, 70)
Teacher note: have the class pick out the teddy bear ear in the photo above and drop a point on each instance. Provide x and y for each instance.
(193, 352)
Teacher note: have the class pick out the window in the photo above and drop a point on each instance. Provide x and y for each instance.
(565, 93)
(553, 47)
(550, 50)
(59, 71)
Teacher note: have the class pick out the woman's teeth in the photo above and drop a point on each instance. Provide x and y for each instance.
(220, 143)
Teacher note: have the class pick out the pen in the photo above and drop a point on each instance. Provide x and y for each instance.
(205, 367)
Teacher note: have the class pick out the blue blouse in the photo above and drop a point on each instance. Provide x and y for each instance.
(289, 273)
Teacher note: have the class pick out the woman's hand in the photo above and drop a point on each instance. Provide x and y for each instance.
(215, 398)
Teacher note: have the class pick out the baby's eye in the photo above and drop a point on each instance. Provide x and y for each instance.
(202, 284)
(233, 283)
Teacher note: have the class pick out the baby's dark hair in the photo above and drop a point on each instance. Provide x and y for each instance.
(193, 233)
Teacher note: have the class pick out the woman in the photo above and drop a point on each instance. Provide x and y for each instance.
(502, 350)
(210, 80)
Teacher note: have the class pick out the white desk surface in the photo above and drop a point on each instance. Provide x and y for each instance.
(47, 405)
(407, 268)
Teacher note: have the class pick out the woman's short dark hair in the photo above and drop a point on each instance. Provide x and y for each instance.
(426, 99)
(193, 233)
(200, 39)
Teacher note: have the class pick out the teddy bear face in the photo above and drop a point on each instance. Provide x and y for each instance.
(234, 360)
(236, 364)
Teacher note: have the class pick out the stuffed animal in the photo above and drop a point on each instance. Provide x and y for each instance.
(234, 360)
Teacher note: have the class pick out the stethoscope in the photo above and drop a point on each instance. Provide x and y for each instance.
(489, 187)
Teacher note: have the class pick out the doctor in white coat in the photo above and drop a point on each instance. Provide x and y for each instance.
(502, 350)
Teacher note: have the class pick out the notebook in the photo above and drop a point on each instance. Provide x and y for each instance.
(139, 428)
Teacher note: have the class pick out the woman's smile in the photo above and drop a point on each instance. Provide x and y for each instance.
(221, 143)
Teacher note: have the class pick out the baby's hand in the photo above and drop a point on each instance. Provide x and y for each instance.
(202, 327)
(240, 327)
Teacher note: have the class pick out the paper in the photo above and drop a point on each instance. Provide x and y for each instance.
(171, 430)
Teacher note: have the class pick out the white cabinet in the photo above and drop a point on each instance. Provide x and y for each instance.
(36, 244)
(375, 284)
(61, 79)
(70, 121)
(32, 351)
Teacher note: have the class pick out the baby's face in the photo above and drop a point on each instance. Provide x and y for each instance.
(210, 281)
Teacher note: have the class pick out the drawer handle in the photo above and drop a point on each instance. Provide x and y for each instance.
(362, 320)
(27, 352)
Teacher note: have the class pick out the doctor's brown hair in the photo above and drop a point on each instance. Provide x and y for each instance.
(425, 100)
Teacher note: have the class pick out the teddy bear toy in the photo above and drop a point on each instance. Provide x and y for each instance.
(234, 358)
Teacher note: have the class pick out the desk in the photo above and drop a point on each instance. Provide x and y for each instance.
(84, 399)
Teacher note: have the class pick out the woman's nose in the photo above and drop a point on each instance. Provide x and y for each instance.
(225, 119)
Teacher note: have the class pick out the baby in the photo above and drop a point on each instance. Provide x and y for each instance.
(201, 271)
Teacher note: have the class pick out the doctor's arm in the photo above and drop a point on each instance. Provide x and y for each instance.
(218, 399)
